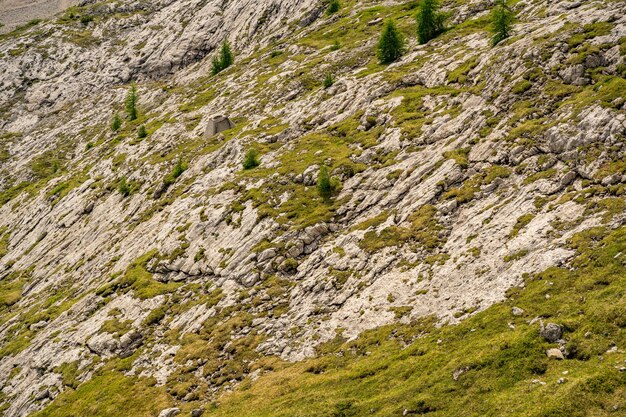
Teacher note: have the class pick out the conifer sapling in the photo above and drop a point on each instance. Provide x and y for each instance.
(131, 102)
(501, 20)
(329, 80)
(123, 187)
(430, 22)
(116, 123)
(324, 187)
(225, 59)
(333, 7)
(226, 56)
(391, 43)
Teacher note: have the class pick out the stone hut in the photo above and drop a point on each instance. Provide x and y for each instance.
(217, 124)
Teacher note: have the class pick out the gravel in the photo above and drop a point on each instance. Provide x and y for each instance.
(14, 13)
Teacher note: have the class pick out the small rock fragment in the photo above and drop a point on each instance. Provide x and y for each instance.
(551, 332)
(555, 353)
(516, 311)
(169, 412)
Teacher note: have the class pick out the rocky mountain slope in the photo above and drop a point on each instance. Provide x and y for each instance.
(146, 273)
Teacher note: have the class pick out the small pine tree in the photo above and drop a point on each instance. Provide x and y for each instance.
(329, 80)
(501, 20)
(141, 132)
(226, 56)
(335, 46)
(324, 187)
(390, 44)
(86, 19)
(430, 22)
(131, 102)
(179, 169)
(251, 159)
(216, 66)
(123, 187)
(333, 7)
(116, 123)
(225, 59)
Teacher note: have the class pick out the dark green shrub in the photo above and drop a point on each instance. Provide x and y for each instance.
(141, 132)
(178, 170)
(123, 187)
(344, 409)
(225, 59)
(333, 7)
(226, 55)
(335, 46)
(217, 66)
(501, 20)
(329, 81)
(131, 102)
(116, 123)
(390, 44)
(155, 316)
(86, 19)
(324, 186)
(430, 22)
(251, 160)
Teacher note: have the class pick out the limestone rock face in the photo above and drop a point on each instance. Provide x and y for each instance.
(457, 172)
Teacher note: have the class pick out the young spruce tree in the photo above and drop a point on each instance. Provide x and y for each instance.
(217, 66)
(123, 187)
(225, 59)
(429, 21)
(226, 56)
(333, 7)
(391, 43)
(116, 123)
(141, 132)
(131, 102)
(329, 80)
(324, 186)
(501, 20)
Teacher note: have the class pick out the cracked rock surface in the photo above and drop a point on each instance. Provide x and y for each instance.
(458, 170)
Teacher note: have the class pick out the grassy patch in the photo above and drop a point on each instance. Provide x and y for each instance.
(110, 394)
(479, 367)
(421, 231)
(5, 235)
(11, 289)
(138, 279)
(521, 222)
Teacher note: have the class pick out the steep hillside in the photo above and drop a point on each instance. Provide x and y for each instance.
(476, 195)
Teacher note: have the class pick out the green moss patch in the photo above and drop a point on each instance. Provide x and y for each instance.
(110, 394)
(138, 279)
(422, 232)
